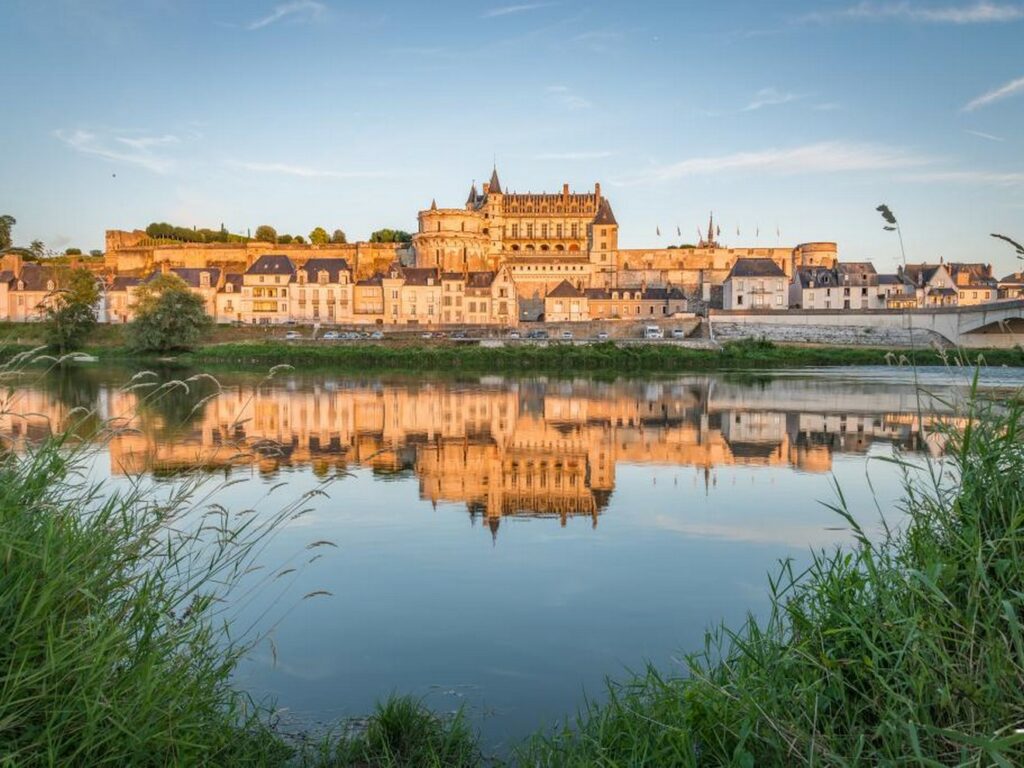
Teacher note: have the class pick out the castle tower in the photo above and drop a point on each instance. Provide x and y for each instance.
(494, 218)
(603, 243)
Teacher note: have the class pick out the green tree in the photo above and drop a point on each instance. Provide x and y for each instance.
(168, 316)
(6, 225)
(318, 236)
(72, 251)
(284, 239)
(390, 236)
(266, 233)
(96, 253)
(339, 237)
(298, 239)
(71, 312)
(37, 248)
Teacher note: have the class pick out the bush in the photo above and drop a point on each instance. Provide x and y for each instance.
(168, 317)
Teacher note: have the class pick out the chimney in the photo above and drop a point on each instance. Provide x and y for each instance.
(565, 191)
(597, 191)
(165, 268)
(486, 188)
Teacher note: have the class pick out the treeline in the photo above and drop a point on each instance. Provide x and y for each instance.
(266, 234)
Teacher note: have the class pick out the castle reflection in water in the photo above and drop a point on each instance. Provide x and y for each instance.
(502, 447)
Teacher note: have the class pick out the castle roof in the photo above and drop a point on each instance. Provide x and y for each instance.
(494, 186)
(272, 264)
(564, 290)
(473, 195)
(755, 268)
(604, 216)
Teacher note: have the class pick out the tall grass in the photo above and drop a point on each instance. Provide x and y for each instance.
(115, 648)
(909, 651)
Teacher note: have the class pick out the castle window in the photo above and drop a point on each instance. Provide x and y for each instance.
(558, 231)
(575, 230)
(529, 231)
(515, 230)
(544, 230)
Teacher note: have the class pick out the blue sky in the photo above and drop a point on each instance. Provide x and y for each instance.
(796, 117)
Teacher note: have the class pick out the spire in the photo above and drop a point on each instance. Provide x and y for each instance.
(473, 195)
(711, 229)
(604, 214)
(433, 204)
(494, 187)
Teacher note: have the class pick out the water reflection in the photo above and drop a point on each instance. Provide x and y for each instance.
(503, 447)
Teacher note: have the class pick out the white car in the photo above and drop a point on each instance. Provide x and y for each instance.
(567, 335)
(292, 336)
(678, 333)
(602, 336)
(330, 336)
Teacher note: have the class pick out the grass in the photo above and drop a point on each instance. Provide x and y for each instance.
(567, 358)
(904, 651)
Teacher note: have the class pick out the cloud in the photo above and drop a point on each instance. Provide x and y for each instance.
(308, 8)
(595, 155)
(984, 178)
(568, 98)
(981, 12)
(828, 106)
(508, 10)
(996, 94)
(769, 97)
(822, 157)
(983, 135)
(139, 150)
(287, 169)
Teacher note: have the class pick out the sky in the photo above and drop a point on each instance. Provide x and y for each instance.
(790, 120)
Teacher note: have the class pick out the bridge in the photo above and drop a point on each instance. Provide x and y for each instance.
(995, 324)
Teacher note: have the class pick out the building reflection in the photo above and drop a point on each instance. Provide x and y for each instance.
(528, 447)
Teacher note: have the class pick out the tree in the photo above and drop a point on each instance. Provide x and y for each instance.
(284, 239)
(6, 225)
(72, 251)
(318, 236)
(339, 237)
(266, 234)
(298, 239)
(71, 312)
(96, 253)
(168, 316)
(390, 236)
(37, 248)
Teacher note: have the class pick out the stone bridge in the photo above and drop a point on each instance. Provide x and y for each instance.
(996, 324)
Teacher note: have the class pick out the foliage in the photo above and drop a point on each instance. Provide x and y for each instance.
(7, 223)
(298, 239)
(338, 236)
(285, 239)
(37, 248)
(909, 651)
(266, 233)
(163, 230)
(71, 313)
(318, 236)
(114, 651)
(72, 251)
(96, 253)
(402, 733)
(168, 316)
(390, 236)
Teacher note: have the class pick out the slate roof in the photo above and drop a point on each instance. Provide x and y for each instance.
(817, 277)
(480, 279)
(890, 280)
(333, 267)
(190, 275)
(6, 276)
(420, 275)
(1015, 278)
(272, 264)
(598, 294)
(921, 274)
(604, 216)
(124, 282)
(36, 276)
(943, 291)
(755, 268)
(565, 290)
(856, 267)
(376, 279)
(494, 185)
(233, 279)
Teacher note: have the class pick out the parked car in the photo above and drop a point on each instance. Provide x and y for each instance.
(427, 335)
(292, 336)
(566, 335)
(653, 332)
(513, 334)
(678, 333)
(331, 336)
(537, 335)
(602, 336)
(377, 335)
(459, 335)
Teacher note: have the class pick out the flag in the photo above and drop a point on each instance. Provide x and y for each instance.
(777, 232)
(700, 237)
(757, 233)
(679, 232)
(737, 231)
(658, 230)
(718, 231)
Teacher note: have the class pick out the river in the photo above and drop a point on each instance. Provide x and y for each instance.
(504, 544)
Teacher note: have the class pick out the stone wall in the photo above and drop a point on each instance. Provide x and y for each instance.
(828, 335)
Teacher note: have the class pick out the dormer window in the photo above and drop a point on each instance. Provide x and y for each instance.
(229, 288)
(21, 285)
(302, 277)
(49, 285)
(322, 276)
(204, 279)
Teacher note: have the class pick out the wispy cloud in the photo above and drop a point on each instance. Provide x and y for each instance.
(593, 155)
(984, 178)
(568, 98)
(980, 12)
(1011, 88)
(307, 9)
(828, 106)
(770, 97)
(508, 10)
(306, 172)
(822, 157)
(138, 151)
(983, 135)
